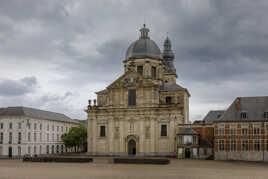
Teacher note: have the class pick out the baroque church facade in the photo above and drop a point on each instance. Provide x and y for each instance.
(138, 113)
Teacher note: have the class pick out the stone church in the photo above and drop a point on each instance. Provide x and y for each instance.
(138, 113)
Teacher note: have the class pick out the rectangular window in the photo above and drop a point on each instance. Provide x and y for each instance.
(132, 97)
(29, 149)
(2, 125)
(19, 125)
(180, 140)
(19, 151)
(10, 138)
(52, 137)
(102, 131)
(163, 130)
(232, 130)
(256, 130)
(40, 127)
(57, 128)
(168, 100)
(257, 146)
(35, 136)
(244, 131)
(221, 130)
(233, 146)
(140, 70)
(47, 127)
(1, 138)
(29, 125)
(265, 115)
(58, 137)
(153, 72)
(19, 138)
(194, 139)
(34, 149)
(61, 128)
(52, 128)
(267, 145)
(244, 145)
(29, 136)
(10, 125)
(243, 115)
(221, 145)
(35, 126)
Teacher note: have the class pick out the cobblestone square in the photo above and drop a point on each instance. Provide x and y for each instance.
(16, 169)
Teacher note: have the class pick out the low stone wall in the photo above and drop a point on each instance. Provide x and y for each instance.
(247, 156)
(141, 154)
(141, 161)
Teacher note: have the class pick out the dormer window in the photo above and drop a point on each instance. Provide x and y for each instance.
(168, 100)
(243, 115)
(140, 69)
(265, 115)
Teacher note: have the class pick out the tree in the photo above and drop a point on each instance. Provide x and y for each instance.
(76, 137)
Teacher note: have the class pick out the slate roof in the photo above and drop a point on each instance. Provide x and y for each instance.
(253, 106)
(187, 131)
(143, 47)
(213, 116)
(35, 113)
(172, 87)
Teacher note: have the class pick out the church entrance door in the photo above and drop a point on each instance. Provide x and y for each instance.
(132, 147)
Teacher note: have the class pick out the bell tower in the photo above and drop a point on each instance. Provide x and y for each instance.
(170, 74)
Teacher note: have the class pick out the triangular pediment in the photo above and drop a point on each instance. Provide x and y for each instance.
(130, 79)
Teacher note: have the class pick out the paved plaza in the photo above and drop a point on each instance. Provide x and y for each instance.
(16, 169)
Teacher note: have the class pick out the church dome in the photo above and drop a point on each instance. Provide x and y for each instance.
(143, 47)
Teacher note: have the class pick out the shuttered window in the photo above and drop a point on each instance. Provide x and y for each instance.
(131, 97)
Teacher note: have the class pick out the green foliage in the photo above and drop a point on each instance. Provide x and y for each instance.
(76, 137)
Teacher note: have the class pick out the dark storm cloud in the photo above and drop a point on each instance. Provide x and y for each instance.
(220, 46)
(18, 87)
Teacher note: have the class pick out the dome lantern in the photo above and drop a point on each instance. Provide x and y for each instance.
(144, 47)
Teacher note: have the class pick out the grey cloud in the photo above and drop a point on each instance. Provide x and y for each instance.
(220, 46)
(20, 87)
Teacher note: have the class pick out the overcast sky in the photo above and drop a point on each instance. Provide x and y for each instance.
(55, 54)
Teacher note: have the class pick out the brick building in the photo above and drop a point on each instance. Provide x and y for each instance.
(195, 140)
(242, 132)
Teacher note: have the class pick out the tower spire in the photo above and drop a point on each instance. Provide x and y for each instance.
(168, 56)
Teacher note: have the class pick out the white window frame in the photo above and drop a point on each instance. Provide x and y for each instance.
(219, 147)
(231, 143)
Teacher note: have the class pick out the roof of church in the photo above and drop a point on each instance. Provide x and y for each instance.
(143, 47)
(35, 113)
(187, 131)
(213, 116)
(171, 86)
(255, 107)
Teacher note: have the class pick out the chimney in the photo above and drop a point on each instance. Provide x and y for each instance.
(238, 103)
